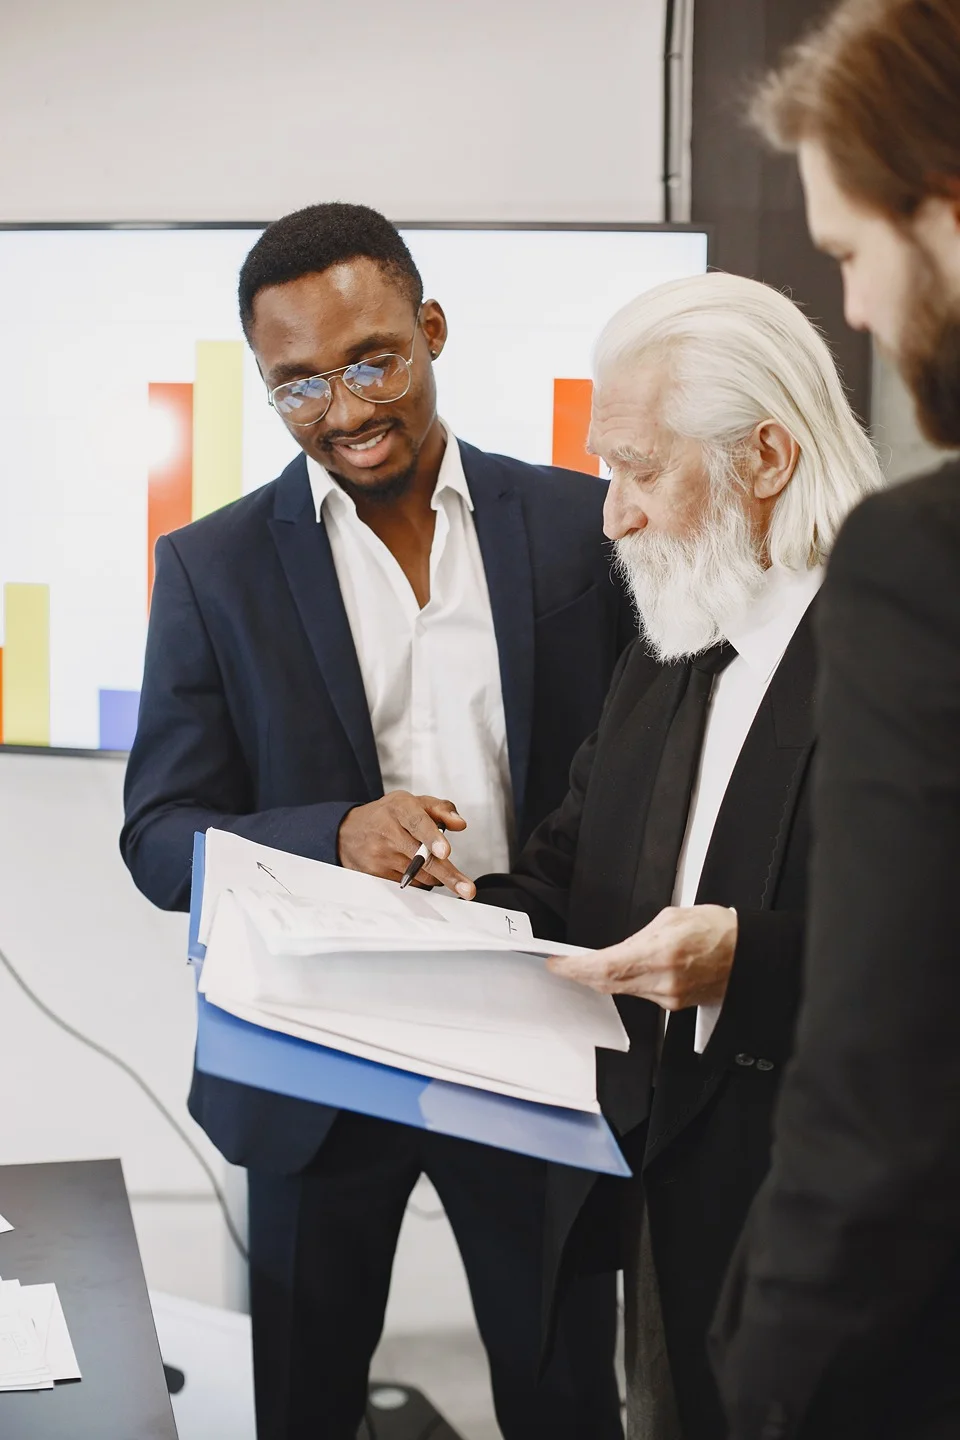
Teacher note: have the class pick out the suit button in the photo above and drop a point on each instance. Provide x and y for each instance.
(764, 1064)
(744, 1059)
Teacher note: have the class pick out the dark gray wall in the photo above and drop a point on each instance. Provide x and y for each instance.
(752, 199)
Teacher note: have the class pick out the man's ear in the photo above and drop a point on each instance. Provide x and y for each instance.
(773, 459)
(433, 322)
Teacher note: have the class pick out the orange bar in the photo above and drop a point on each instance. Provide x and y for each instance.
(170, 475)
(571, 422)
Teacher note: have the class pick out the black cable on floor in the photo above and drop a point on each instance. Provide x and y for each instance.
(128, 1070)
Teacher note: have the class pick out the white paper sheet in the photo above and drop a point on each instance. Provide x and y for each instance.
(350, 1045)
(22, 1363)
(475, 989)
(35, 1345)
(545, 1068)
(424, 984)
(4, 1225)
(46, 1311)
(551, 1073)
(231, 863)
(293, 925)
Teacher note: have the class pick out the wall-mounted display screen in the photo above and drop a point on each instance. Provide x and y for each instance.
(129, 405)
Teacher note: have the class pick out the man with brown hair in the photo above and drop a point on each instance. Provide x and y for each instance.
(841, 1314)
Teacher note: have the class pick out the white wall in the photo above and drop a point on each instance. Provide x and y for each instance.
(242, 109)
(112, 966)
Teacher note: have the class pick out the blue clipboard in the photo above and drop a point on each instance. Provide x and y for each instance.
(234, 1049)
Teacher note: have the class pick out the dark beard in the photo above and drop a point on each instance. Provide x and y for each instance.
(929, 357)
(381, 492)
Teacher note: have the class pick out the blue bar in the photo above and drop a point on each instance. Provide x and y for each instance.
(118, 718)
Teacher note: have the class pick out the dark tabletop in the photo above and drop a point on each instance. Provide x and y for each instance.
(72, 1226)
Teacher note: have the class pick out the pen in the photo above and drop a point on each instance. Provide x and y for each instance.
(417, 863)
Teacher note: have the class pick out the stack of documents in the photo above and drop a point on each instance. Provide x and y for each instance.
(412, 979)
(35, 1348)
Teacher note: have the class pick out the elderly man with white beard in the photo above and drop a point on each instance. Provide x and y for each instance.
(679, 855)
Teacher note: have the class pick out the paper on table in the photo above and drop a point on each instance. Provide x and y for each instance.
(230, 862)
(4, 1225)
(22, 1364)
(44, 1307)
(40, 1330)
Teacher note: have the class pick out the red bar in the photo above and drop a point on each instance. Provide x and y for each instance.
(170, 474)
(571, 422)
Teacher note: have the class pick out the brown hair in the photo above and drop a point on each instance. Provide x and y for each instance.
(877, 84)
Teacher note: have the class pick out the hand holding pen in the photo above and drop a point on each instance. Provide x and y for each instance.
(417, 863)
(383, 837)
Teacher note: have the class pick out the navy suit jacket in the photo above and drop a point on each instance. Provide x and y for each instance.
(253, 716)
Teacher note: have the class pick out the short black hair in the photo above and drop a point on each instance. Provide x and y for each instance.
(309, 241)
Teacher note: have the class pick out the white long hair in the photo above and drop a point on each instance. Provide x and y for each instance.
(739, 353)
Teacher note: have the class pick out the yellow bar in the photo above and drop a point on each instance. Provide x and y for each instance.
(26, 665)
(217, 425)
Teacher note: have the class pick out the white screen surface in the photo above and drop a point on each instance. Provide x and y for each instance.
(93, 318)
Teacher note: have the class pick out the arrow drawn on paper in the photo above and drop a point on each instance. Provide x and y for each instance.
(266, 871)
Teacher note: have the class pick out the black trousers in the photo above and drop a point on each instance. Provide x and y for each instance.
(322, 1244)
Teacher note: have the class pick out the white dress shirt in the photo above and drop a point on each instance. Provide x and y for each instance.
(431, 676)
(760, 635)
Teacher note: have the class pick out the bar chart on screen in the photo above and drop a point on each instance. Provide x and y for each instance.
(194, 465)
(131, 405)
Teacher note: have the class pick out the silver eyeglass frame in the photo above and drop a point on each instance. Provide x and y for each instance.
(340, 372)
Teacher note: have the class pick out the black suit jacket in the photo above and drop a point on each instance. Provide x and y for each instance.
(706, 1146)
(841, 1316)
(253, 716)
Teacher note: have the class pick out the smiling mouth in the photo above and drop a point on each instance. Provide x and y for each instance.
(368, 450)
(366, 440)
(362, 444)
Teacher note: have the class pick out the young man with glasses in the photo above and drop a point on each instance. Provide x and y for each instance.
(397, 618)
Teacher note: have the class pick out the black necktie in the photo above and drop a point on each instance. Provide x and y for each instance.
(673, 786)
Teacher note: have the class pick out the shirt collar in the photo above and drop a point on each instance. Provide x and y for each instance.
(325, 489)
(762, 631)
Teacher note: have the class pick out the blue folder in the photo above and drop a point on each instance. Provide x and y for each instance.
(234, 1049)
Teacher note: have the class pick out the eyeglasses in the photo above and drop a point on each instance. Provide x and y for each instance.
(381, 379)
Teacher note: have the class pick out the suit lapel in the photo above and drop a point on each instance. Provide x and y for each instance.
(764, 787)
(502, 535)
(602, 904)
(744, 861)
(307, 560)
(611, 836)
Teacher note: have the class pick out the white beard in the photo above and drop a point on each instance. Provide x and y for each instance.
(686, 590)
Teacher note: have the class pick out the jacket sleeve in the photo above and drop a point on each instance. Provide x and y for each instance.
(759, 1010)
(850, 1233)
(186, 770)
